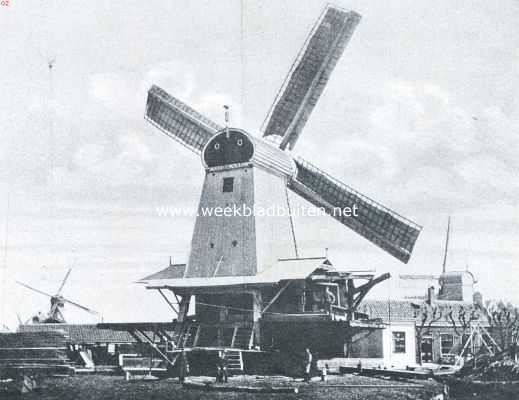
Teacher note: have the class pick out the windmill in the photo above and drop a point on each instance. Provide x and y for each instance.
(57, 304)
(454, 285)
(249, 284)
(226, 149)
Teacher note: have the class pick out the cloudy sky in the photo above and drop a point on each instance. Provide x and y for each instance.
(421, 113)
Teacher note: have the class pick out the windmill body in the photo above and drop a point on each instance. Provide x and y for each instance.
(233, 236)
(244, 272)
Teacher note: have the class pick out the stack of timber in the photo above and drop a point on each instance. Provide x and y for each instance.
(33, 353)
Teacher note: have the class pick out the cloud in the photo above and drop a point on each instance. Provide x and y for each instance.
(174, 76)
(179, 80)
(441, 150)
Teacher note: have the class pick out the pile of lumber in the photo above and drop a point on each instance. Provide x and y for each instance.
(44, 352)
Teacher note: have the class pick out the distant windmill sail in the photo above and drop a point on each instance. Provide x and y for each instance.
(57, 302)
(64, 281)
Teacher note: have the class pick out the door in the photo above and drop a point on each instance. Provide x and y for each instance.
(426, 349)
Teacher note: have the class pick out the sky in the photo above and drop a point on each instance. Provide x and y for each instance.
(421, 113)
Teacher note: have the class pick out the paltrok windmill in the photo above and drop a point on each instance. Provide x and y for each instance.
(57, 304)
(251, 289)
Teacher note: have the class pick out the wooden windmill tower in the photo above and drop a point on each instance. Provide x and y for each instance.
(250, 262)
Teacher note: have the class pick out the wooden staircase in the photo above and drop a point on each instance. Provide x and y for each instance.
(234, 361)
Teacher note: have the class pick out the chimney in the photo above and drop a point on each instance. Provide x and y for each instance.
(430, 295)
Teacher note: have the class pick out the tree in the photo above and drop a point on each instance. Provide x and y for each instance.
(504, 324)
(426, 314)
(429, 313)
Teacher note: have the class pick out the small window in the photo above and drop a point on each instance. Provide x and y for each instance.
(398, 342)
(211, 245)
(228, 185)
(447, 343)
(234, 243)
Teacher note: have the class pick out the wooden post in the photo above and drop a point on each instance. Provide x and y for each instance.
(257, 301)
(350, 314)
(183, 307)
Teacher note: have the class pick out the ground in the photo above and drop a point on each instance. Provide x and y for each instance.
(99, 387)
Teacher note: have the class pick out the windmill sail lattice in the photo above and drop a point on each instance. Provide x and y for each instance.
(380, 225)
(298, 96)
(178, 120)
(309, 75)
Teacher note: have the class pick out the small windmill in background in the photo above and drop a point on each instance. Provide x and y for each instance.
(57, 304)
(453, 284)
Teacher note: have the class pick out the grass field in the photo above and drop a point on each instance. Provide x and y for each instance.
(99, 387)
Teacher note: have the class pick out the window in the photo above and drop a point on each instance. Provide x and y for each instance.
(228, 185)
(446, 343)
(398, 342)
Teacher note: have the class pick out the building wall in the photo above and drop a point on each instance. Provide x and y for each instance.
(399, 359)
(367, 344)
(241, 245)
(436, 332)
(274, 237)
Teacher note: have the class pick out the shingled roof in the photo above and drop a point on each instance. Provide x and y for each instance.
(83, 333)
(388, 310)
(174, 271)
(404, 310)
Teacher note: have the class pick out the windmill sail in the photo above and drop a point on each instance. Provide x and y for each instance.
(286, 119)
(33, 289)
(64, 281)
(309, 75)
(79, 306)
(381, 226)
(178, 120)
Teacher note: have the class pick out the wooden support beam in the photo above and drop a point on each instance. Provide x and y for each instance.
(234, 335)
(364, 289)
(144, 335)
(276, 296)
(167, 301)
(372, 282)
(183, 307)
(197, 335)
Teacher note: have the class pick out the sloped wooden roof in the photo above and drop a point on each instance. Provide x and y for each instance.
(284, 269)
(175, 271)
